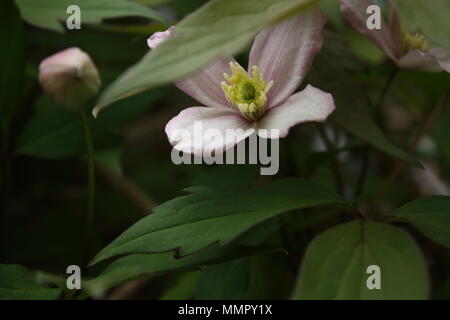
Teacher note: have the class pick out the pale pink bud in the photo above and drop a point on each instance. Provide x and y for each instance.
(159, 37)
(70, 78)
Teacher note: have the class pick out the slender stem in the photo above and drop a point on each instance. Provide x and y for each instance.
(422, 132)
(387, 85)
(334, 158)
(91, 186)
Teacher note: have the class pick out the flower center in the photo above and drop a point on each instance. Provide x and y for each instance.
(411, 41)
(247, 93)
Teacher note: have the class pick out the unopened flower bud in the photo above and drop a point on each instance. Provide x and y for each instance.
(70, 78)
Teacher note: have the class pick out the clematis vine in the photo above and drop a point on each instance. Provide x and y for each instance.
(408, 50)
(71, 78)
(261, 97)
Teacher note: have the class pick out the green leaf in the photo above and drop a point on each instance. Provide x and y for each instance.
(51, 133)
(335, 264)
(153, 2)
(224, 281)
(259, 233)
(17, 283)
(55, 133)
(193, 222)
(49, 14)
(12, 60)
(352, 104)
(430, 17)
(183, 287)
(431, 215)
(220, 28)
(136, 265)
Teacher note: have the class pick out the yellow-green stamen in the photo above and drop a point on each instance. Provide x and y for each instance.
(247, 93)
(413, 41)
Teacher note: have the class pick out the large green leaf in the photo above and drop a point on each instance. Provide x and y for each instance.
(193, 222)
(50, 13)
(136, 265)
(220, 28)
(17, 283)
(431, 215)
(55, 133)
(181, 286)
(224, 281)
(430, 17)
(334, 71)
(335, 264)
(12, 60)
(153, 2)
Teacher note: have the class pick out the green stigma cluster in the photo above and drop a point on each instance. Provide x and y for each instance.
(413, 41)
(247, 93)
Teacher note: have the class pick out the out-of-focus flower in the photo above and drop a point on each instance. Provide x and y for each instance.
(261, 97)
(428, 181)
(158, 37)
(70, 78)
(407, 50)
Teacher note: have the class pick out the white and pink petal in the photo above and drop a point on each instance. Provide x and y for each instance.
(395, 28)
(355, 11)
(159, 37)
(311, 104)
(284, 52)
(203, 85)
(207, 131)
(442, 56)
(419, 60)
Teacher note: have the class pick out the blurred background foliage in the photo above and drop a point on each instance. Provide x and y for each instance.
(43, 158)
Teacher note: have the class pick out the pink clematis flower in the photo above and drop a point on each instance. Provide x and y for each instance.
(407, 50)
(261, 97)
